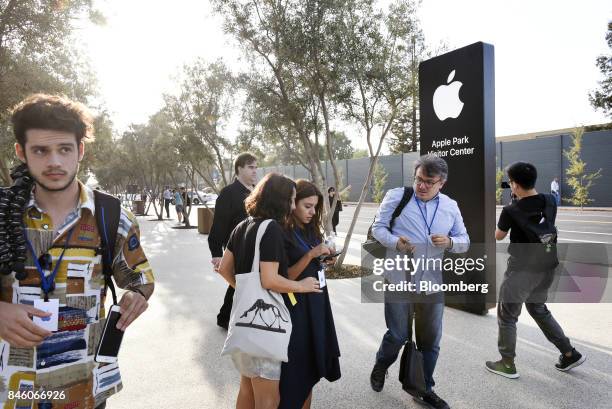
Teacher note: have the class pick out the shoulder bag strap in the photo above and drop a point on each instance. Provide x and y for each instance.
(260, 232)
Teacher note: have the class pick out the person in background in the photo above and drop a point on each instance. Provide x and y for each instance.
(554, 189)
(186, 204)
(229, 211)
(336, 215)
(524, 282)
(313, 347)
(167, 195)
(178, 205)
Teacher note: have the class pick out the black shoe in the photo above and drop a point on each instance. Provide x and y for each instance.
(568, 362)
(431, 400)
(377, 378)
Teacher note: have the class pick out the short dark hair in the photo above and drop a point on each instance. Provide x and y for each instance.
(329, 189)
(304, 189)
(432, 166)
(271, 198)
(522, 173)
(54, 112)
(245, 158)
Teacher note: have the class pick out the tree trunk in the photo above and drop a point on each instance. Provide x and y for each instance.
(329, 207)
(373, 160)
(362, 196)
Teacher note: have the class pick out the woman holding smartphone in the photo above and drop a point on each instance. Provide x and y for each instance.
(273, 198)
(313, 348)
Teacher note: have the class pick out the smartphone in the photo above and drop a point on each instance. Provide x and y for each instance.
(111, 338)
(330, 256)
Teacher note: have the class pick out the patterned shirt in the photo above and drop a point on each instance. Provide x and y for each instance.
(64, 362)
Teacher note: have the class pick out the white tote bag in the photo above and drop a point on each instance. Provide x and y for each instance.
(260, 324)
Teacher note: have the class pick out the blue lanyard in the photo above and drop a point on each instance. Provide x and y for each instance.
(48, 283)
(306, 245)
(302, 241)
(425, 219)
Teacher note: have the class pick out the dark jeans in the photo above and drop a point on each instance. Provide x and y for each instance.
(101, 406)
(224, 314)
(557, 197)
(167, 206)
(428, 331)
(531, 288)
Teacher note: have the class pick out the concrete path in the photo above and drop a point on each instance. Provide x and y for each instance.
(170, 356)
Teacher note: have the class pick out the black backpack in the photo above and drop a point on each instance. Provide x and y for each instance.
(108, 213)
(541, 251)
(373, 246)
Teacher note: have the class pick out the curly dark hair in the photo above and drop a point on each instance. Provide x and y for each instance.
(271, 198)
(55, 112)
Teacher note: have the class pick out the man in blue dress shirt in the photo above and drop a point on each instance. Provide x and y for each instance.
(430, 224)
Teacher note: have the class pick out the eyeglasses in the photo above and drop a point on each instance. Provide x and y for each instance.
(428, 183)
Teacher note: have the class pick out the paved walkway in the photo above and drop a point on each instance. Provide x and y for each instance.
(170, 356)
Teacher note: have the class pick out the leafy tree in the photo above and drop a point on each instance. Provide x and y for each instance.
(294, 54)
(577, 177)
(198, 115)
(376, 76)
(342, 146)
(37, 54)
(360, 153)
(602, 98)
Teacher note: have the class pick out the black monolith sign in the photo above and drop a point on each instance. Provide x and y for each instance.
(457, 115)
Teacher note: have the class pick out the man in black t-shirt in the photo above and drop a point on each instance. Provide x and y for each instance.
(523, 282)
(229, 212)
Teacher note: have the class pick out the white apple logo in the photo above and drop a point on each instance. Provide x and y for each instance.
(446, 100)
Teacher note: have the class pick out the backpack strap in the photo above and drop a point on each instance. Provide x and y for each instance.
(408, 192)
(522, 218)
(108, 213)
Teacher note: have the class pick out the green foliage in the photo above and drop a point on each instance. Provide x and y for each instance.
(379, 180)
(197, 116)
(38, 54)
(602, 97)
(499, 175)
(341, 146)
(598, 127)
(313, 62)
(360, 153)
(577, 177)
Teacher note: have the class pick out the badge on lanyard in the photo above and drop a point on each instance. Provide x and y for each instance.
(52, 306)
(47, 284)
(322, 282)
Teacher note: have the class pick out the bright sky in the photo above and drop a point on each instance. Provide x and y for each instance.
(545, 54)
